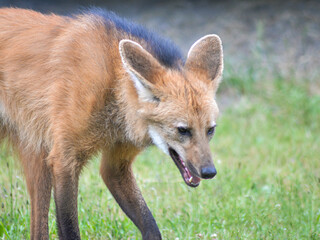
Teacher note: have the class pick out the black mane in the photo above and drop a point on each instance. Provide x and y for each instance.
(163, 49)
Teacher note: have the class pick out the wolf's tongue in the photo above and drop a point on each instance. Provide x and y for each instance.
(189, 177)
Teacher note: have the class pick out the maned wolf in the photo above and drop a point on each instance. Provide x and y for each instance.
(73, 86)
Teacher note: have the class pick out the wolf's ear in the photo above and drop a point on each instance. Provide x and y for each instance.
(206, 57)
(142, 67)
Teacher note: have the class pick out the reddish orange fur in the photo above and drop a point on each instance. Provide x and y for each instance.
(65, 95)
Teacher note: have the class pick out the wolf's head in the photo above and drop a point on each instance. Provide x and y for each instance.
(178, 105)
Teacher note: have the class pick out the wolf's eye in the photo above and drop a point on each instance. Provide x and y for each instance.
(184, 131)
(211, 130)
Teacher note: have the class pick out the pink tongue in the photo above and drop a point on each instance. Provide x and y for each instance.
(189, 177)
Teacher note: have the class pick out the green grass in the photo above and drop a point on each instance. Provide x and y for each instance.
(267, 153)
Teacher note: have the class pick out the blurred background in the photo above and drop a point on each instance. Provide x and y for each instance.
(267, 145)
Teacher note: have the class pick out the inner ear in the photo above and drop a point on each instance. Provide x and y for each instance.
(206, 57)
(143, 69)
(139, 62)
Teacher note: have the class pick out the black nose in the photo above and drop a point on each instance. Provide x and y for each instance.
(208, 172)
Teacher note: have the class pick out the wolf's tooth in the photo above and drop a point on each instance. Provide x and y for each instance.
(190, 179)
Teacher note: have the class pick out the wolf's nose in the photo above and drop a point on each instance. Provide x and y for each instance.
(208, 172)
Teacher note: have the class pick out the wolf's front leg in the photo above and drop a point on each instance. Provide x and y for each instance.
(117, 174)
(65, 174)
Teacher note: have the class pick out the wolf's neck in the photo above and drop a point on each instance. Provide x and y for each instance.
(135, 127)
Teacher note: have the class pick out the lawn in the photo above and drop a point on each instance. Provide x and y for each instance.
(266, 151)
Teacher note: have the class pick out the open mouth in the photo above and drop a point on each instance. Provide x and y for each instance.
(189, 178)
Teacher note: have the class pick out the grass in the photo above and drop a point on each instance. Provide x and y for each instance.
(267, 153)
